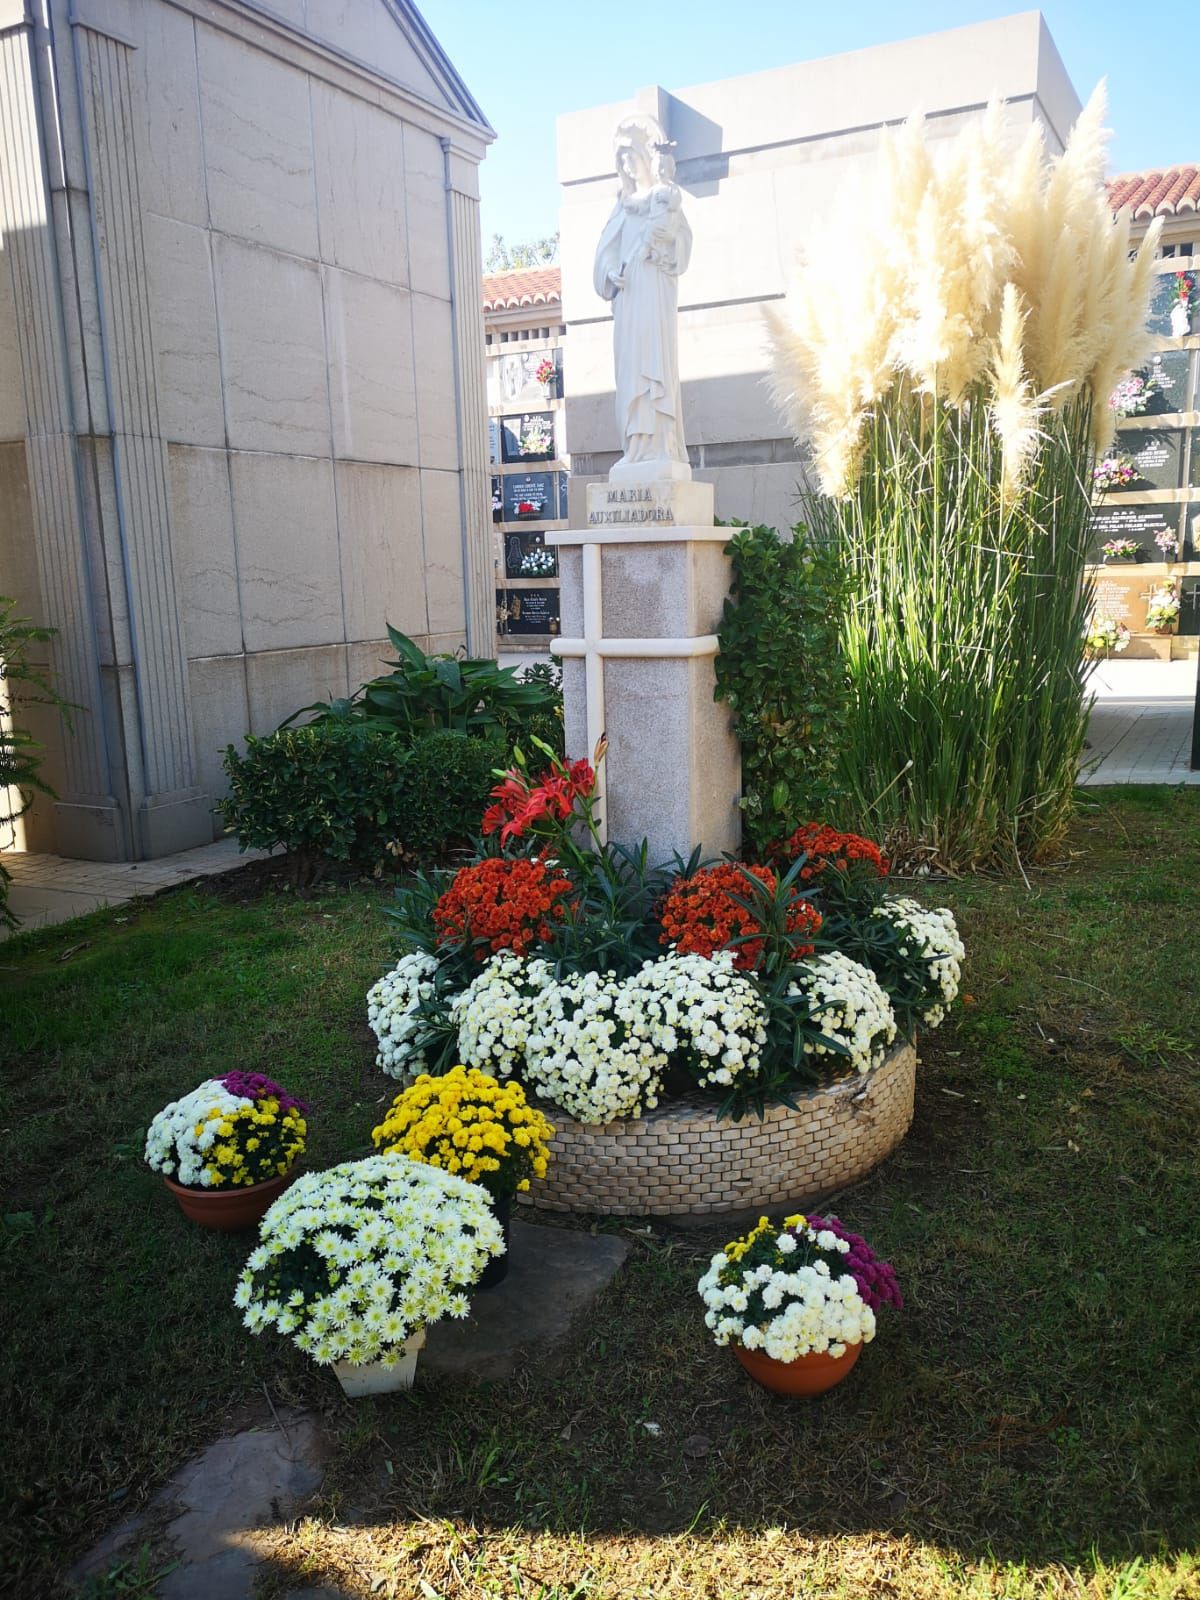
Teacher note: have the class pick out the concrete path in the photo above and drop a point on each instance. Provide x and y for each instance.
(48, 889)
(1141, 725)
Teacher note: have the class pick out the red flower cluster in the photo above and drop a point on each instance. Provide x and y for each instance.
(501, 905)
(826, 847)
(519, 804)
(701, 915)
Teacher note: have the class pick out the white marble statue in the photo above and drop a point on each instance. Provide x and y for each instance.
(645, 246)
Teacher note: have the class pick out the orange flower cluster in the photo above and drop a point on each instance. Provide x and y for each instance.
(701, 915)
(826, 847)
(501, 905)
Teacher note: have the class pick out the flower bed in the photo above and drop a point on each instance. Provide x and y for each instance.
(703, 1036)
(682, 1158)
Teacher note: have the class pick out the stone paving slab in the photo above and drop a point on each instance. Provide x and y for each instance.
(206, 1517)
(554, 1274)
(51, 889)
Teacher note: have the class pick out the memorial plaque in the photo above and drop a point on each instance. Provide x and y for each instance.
(1163, 296)
(1189, 606)
(512, 378)
(526, 555)
(497, 499)
(528, 437)
(1133, 521)
(1171, 369)
(1122, 593)
(535, 496)
(1156, 459)
(531, 611)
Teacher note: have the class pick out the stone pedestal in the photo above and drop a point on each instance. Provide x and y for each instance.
(643, 586)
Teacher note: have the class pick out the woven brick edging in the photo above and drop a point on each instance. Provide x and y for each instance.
(681, 1158)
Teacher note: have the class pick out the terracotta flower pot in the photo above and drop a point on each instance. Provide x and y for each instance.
(229, 1210)
(810, 1375)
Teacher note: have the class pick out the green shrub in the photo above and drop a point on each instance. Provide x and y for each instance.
(780, 672)
(446, 782)
(325, 792)
(423, 693)
(338, 792)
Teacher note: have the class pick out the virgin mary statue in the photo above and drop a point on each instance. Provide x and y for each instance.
(645, 246)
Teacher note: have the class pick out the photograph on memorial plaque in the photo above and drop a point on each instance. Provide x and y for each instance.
(528, 437)
(531, 610)
(1142, 523)
(494, 441)
(535, 496)
(526, 555)
(497, 499)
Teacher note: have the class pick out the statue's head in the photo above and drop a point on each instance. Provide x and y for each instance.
(634, 145)
(664, 162)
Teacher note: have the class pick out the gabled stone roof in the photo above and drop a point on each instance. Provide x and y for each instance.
(527, 286)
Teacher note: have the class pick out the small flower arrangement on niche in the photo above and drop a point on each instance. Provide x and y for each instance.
(1106, 636)
(1121, 550)
(1133, 395)
(538, 563)
(529, 508)
(354, 1263)
(1114, 472)
(1168, 543)
(537, 437)
(546, 371)
(798, 1302)
(1162, 612)
(1185, 289)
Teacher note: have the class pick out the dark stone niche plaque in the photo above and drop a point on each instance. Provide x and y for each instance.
(528, 437)
(1140, 522)
(531, 611)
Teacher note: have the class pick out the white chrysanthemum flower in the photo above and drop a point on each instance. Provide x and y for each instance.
(182, 1134)
(935, 933)
(704, 1013)
(392, 1012)
(495, 1012)
(590, 1049)
(847, 1004)
(382, 1282)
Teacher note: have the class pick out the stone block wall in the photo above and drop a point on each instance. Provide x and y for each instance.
(259, 241)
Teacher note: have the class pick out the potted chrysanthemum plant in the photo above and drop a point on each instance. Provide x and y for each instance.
(797, 1302)
(229, 1148)
(468, 1124)
(354, 1263)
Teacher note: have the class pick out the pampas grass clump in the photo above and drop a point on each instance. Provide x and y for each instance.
(950, 377)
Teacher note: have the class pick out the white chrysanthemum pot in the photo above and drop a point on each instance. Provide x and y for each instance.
(1181, 319)
(375, 1378)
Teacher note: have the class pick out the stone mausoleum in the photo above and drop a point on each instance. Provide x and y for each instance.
(758, 158)
(242, 407)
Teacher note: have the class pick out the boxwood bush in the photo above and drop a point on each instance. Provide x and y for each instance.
(345, 793)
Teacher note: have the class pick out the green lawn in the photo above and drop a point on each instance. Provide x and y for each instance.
(1028, 1425)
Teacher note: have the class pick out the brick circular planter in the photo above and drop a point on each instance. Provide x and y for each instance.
(682, 1159)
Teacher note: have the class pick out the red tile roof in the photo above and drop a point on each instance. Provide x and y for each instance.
(527, 286)
(1171, 192)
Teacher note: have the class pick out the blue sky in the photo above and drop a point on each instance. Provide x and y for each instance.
(526, 64)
